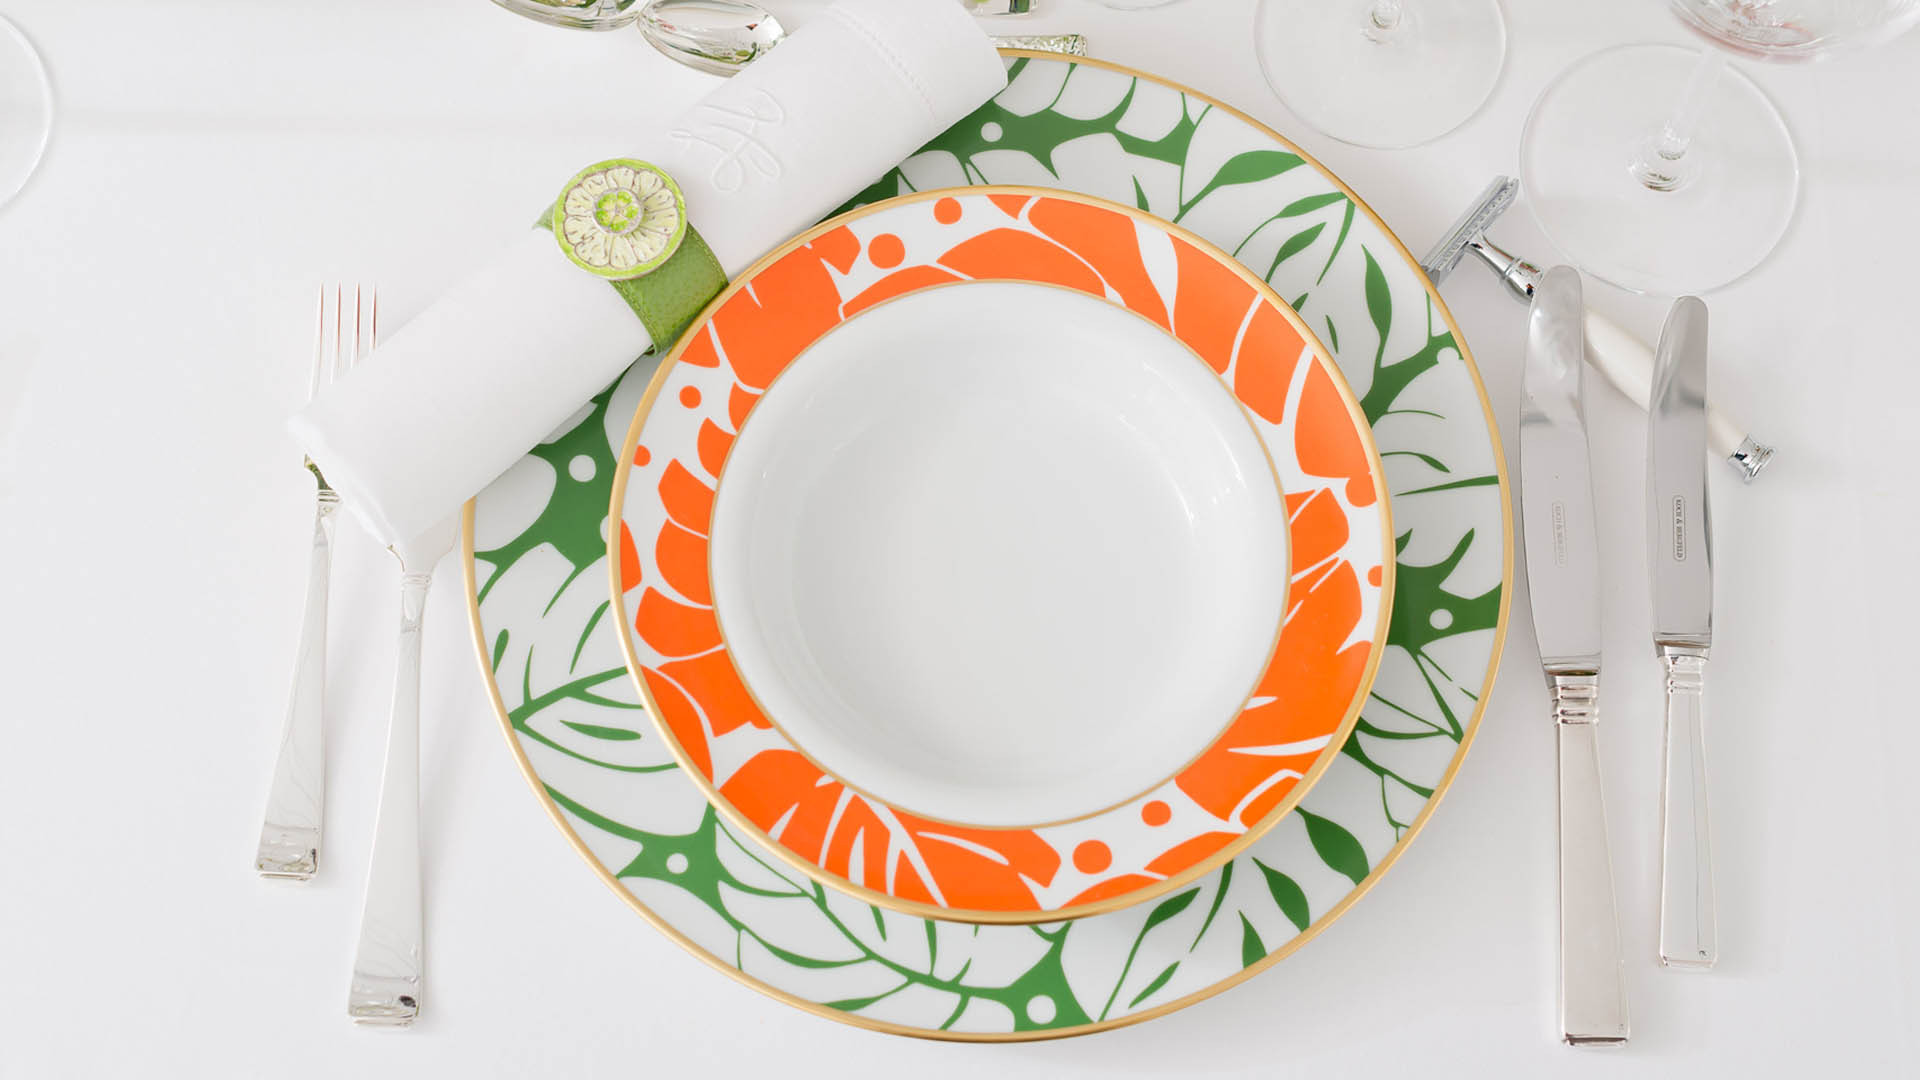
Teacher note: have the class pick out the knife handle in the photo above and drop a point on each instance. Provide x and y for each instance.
(1688, 937)
(1593, 989)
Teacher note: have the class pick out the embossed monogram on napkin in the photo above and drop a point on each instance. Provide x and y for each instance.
(731, 130)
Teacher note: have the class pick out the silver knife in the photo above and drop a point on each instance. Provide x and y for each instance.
(1680, 562)
(1563, 577)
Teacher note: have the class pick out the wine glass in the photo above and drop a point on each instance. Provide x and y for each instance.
(1662, 170)
(26, 110)
(577, 14)
(1381, 73)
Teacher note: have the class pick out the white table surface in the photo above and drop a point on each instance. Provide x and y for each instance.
(215, 159)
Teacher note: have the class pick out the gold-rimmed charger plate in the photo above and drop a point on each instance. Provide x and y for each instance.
(536, 543)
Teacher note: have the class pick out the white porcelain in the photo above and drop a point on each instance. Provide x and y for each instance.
(917, 542)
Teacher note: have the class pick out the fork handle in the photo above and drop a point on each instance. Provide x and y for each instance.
(1688, 936)
(296, 803)
(387, 968)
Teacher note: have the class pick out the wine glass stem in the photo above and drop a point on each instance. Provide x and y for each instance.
(1662, 161)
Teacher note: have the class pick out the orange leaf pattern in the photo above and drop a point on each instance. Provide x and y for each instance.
(1307, 692)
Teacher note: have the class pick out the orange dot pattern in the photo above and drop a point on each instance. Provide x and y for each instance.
(1092, 856)
(886, 251)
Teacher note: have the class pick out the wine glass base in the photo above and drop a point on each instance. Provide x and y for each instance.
(1576, 168)
(1329, 63)
(26, 110)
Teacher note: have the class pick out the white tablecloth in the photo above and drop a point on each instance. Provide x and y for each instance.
(214, 161)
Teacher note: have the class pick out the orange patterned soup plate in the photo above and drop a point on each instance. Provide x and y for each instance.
(1001, 554)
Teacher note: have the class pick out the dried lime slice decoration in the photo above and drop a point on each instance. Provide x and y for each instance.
(620, 219)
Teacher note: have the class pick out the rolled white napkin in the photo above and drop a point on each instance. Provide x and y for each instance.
(475, 381)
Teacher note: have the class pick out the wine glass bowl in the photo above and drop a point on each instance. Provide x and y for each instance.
(1801, 30)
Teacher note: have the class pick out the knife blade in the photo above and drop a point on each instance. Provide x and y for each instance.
(1680, 566)
(1556, 486)
(1563, 578)
(1680, 552)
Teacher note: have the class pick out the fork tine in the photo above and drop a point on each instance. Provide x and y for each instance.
(319, 344)
(337, 344)
(339, 323)
(362, 322)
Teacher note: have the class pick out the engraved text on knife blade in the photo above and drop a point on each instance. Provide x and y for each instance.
(1559, 533)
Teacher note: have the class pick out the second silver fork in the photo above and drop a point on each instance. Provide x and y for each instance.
(389, 965)
(296, 804)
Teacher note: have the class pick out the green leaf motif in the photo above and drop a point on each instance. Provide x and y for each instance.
(1287, 895)
(1357, 750)
(1391, 380)
(1168, 909)
(1412, 625)
(1163, 911)
(1038, 135)
(856, 1004)
(570, 522)
(1379, 302)
(1159, 981)
(1248, 167)
(1219, 898)
(1336, 846)
(600, 731)
(699, 870)
(1295, 244)
(1252, 949)
(1340, 241)
(1310, 203)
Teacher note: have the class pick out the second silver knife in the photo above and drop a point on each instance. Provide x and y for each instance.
(1680, 564)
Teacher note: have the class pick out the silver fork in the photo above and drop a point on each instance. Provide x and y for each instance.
(388, 967)
(296, 804)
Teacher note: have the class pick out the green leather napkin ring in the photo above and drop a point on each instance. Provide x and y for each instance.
(625, 221)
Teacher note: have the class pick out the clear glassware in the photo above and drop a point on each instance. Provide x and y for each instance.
(577, 14)
(1381, 73)
(1663, 170)
(26, 110)
(1797, 29)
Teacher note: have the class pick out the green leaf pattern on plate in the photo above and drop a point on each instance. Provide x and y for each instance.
(540, 542)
